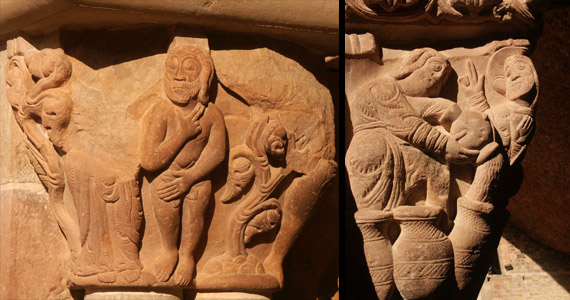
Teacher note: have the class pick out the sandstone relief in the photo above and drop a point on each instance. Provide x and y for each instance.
(435, 11)
(438, 137)
(198, 169)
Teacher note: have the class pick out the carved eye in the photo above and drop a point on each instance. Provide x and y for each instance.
(521, 66)
(172, 63)
(190, 65)
(241, 165)
(436, 66)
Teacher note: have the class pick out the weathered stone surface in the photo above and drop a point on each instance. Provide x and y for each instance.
(459, 23)
(161, 173)
(31, 240)
(438, 137)
(150, 294)
(230, 296)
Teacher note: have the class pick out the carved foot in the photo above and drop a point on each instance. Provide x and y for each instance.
(85, 264)
(107, 277)
(184, 271)
(131, 275)
(164, 264)
(274, 268)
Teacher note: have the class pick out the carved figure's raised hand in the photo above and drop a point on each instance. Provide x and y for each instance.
(457, 154)
(471, 84)
(190, 125)
(172, 184)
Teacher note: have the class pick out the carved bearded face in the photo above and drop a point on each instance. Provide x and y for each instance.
(181, 75)
(519, 76)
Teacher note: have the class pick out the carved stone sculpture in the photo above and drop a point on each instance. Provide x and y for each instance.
(434, 11)
(202, 177)
(182, 141)
(432, 162)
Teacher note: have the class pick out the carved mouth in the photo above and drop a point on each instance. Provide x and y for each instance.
(179, 90)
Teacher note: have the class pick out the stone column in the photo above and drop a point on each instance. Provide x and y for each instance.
(142, 294)
(231, 296)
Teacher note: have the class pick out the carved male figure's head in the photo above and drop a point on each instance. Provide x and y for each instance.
(188, 73)
(512, 75)
(423, 73)
(519, 75)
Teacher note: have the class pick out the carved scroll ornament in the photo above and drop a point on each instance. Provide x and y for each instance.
(416, 136)
(435, 11)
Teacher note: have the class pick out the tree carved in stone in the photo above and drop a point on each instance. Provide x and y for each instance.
(276, 173)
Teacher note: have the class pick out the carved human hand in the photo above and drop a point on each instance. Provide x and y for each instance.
(172, 184)
(471, 84)
(456, 153)
(190, 125)
(523, 128)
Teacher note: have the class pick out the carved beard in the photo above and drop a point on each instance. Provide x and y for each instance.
(519, 87)
(181, 92)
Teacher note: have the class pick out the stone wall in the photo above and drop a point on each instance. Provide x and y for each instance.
(541, 208)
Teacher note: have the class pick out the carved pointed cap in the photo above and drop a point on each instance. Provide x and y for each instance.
(361, 46)
(196, 40)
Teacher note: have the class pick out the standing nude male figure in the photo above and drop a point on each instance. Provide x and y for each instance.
(183, 138)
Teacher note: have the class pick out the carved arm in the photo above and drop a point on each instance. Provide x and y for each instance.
(215, 150)
(438, 111)
(155, 148)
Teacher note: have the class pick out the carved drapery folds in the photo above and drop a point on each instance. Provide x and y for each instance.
(438, 137)
(200, 177)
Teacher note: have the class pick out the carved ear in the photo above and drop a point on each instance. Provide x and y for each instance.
(206, 78)
(499, 84)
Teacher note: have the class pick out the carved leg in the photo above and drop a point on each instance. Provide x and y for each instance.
(168, 220)
(300, 201)
(377, 249)
(476, 235)
(478, 228)
(102, 236)
(193, 210)
(375, 169)
(437, 194)
(126, 214)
